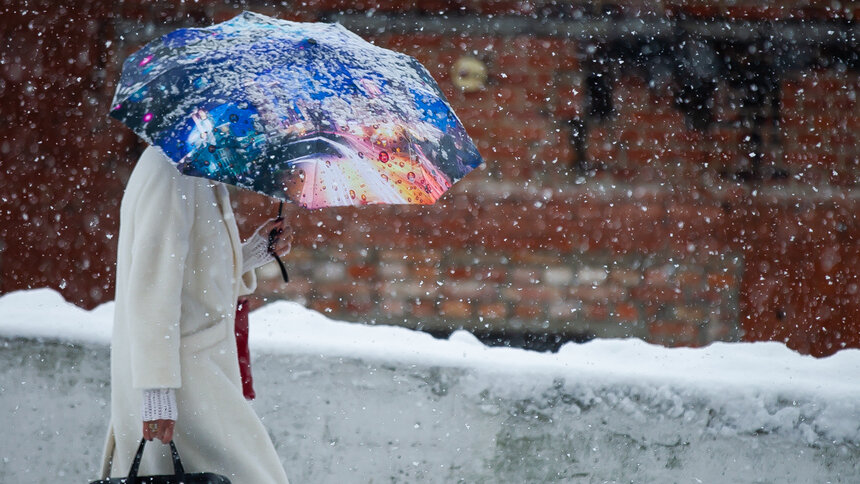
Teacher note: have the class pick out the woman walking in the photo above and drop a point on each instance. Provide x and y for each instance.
(174, 365)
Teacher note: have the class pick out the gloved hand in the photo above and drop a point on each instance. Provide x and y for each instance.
(273, 237)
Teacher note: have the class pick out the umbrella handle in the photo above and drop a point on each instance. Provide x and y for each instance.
(271, 243)
(283, 268)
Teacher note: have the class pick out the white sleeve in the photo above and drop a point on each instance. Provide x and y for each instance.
(255, 252)
(159, 404)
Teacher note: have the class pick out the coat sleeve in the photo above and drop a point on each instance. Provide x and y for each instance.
(248, 278)
(248, 275)
(162, 229)
(248, 282)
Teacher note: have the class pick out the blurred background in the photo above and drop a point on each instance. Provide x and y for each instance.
(677, 171)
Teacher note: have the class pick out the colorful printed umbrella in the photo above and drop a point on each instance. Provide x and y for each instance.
(306, 112)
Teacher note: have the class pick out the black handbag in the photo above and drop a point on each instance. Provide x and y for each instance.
(178, 477)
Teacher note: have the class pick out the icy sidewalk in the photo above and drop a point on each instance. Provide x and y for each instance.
(347, 403)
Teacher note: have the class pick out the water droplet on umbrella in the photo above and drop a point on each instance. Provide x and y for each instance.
(383, 156)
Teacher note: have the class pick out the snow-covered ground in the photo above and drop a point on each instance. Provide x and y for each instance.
(349, 403)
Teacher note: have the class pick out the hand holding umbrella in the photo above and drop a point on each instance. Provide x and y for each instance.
(278, 244)
(280, 237)
(272, 239)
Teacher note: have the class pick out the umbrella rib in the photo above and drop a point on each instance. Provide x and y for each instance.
(315, 185)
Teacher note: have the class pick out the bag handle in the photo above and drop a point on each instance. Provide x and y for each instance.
(178, 470)
(177, 464)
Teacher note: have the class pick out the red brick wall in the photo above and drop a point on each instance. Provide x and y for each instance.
(655, 243)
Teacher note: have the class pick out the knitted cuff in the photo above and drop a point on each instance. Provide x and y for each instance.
(255, 252)
(159, 404)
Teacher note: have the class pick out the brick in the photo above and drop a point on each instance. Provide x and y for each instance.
(491, 274)
(689, 9)
(533, 293)
(564, 310)
(543, 56)
(673, 333)
(523, 276)
(640, 156)
(422, 308)
(325, 306)
(357, 307)
(689, 279)
(756, 12)
(558, 276)
(625, 277)
(393, 5)
(723, 281)
(493, 311)
(596, 293)
(459, 272)
(298, 289)
(626, 312)
(656, 294)
(507, 152)
(660, 275)
(591, 275)
(393, 271)
(410, 288)
(596, 311)
(560, 153)
(468, 289)
(330, 271)
(393, 308)
(426, 272)
(527, 311)
(455, 308)
(364, 271)
(690, 314)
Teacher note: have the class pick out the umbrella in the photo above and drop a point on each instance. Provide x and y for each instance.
(304, 112)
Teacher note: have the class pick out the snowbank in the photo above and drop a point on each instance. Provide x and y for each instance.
(352, 403)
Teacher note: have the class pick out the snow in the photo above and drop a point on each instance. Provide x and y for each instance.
(388, 403)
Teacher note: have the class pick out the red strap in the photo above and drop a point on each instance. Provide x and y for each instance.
(242, 349)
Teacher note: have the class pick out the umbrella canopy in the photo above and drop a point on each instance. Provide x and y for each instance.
(305, 112)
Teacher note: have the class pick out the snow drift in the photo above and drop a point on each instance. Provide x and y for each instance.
(346, 402)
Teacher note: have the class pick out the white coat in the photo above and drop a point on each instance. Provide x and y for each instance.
(178, 277)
